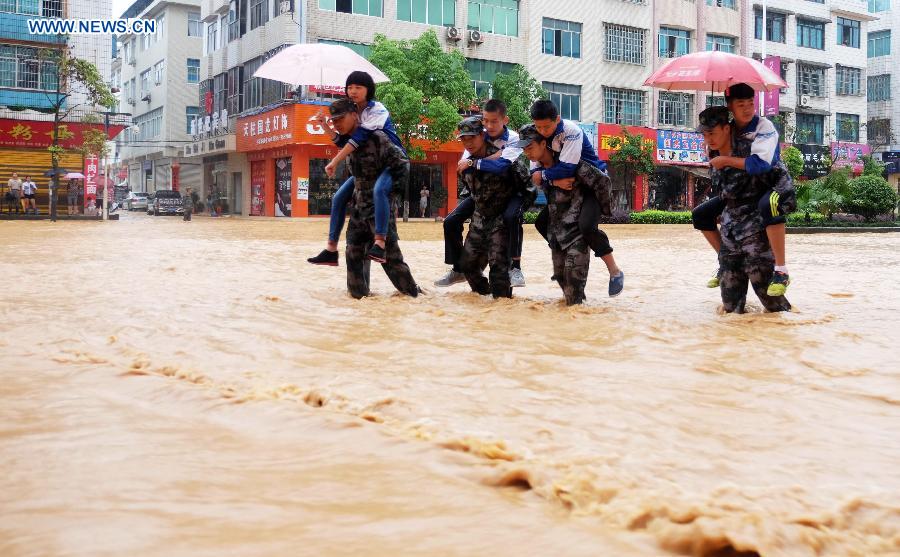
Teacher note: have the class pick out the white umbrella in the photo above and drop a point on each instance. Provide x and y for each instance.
(317, 64)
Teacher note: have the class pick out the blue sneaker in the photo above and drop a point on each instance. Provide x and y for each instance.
(616, 284)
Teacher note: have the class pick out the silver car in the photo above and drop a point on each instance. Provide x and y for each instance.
(136, 200)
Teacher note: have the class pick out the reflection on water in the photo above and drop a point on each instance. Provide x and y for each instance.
(196, 388)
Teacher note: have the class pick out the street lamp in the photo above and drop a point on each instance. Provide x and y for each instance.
(106, 116)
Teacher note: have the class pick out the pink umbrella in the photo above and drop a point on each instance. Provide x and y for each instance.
(714, 71)
(74, 176)
(316, 64)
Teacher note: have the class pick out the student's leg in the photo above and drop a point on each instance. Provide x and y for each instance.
(595, 238)
(774, 221)
(383, 186)
(453, 229)
(704, 219)
(339, 212)
(512, 218)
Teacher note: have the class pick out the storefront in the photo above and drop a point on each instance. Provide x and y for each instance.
(850, 155)
(681, 178)
(287, 154)
(628, 192)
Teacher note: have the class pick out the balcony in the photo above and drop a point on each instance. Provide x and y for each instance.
(15, 27)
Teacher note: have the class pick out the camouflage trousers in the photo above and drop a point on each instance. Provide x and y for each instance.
(749, 259)
(361, 237)
(481, 249)
(570, 268)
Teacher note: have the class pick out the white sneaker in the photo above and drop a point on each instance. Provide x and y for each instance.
(516, 278)
(452, 277)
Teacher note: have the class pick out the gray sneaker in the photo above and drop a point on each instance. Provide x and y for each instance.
(616, 284)
(516, 278)
(452, 277)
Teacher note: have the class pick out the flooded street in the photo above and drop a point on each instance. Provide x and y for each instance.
(198, 389)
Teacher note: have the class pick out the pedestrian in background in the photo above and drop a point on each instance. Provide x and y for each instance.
(188, 203)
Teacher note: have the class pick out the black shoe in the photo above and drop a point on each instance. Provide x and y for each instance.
(325, 257)
(376, 254)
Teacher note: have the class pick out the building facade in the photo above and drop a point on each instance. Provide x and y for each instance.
(883, 88)
(158, 78)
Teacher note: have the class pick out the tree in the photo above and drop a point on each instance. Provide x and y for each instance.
(871, 196)
(518, 90)
(427, 91)
(634, 154)
(793, 159)
(872, 167)
(73, 75)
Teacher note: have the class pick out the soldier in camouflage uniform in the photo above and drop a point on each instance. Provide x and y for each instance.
(571, 253)
(745, 254)
(487, 239)
(366, 164)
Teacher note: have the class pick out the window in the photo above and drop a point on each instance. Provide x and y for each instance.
(195, 28)
(810, 34)
(234, 22)
(624, 44)
(483, 73)
(848, 32)
(848, 80)
(566, 97)
(25, 7)
(256, 91)
(879, 131)
(810, 128)
(363, 50)
(52, 8)
(879, 87)
(676, 109)
(191, 112)
(811, 80)
(776, 23)
(879, 43)
(145, 82)
(624, 106)
(158, 70)
(715, 100)
(277, 7)
(212, 36)
(193, 70)
(160, 28)
(145, 42)
(233, 103)
(259, 13)
(494, 16)
(21, 67)
(150, 125)
(720, 43)
(432, 12)
(561, 38)
(721, 3)
(673, 42)
(362, 7)
(879, 5)
(220, 91)
(847, 127)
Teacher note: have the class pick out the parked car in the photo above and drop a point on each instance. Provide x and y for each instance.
(136, 200)
(166, 202)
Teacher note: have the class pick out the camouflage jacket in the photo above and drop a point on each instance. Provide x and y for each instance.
(367, 163)
(492, 192)
(742, 192)
(564, 206)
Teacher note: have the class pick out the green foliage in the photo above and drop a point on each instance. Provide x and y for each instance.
(661, 217)
(634, 152)
(806, 219)
(518, 90)
(427, 85)
(872, 167)
(825, 195)
(793, 159)
(870, 196)
(530, 217)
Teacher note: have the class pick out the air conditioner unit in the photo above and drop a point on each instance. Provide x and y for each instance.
(146, 97)
(285, 6)
(475, 37)
(453, 34)
(804, 100)
(131, 101)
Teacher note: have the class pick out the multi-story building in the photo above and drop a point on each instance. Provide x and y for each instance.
(883, 88)
(28, 83)
(820, 49)
(158, 78)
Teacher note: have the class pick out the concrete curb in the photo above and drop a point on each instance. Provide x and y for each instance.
(841, 229)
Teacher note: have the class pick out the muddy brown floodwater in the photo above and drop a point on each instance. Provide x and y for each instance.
(198, 389)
